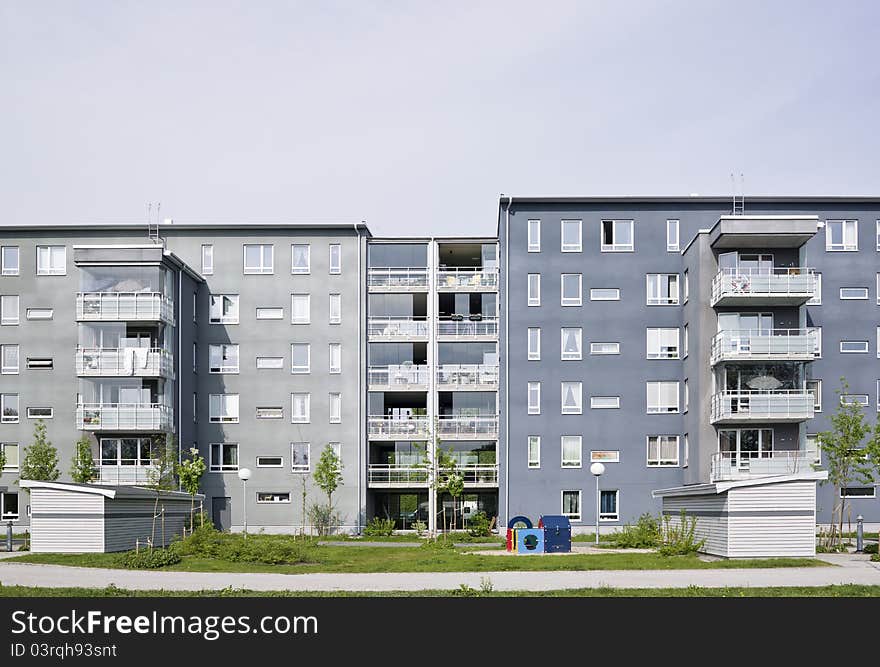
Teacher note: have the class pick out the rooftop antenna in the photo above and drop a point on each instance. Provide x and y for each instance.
(739, 201)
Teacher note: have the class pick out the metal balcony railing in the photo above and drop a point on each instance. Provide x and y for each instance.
(122, 306)
(764, 344)
(794, 284)
(476, 278)
(726, 466)
(122, 362)
(388, 475)
(467, 376)
(414, 428)
(790, 405)
(397, 327)
(123, 416)
(399, 376)
(472, 327)
(399, 279)
(128, 472)
(480, 426)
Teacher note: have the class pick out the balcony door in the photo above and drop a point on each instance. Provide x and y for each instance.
(734, 262)
(740, 446)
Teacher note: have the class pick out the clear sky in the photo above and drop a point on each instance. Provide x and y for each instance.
(414, 116)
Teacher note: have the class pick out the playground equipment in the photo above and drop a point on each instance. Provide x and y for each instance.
(553, 535)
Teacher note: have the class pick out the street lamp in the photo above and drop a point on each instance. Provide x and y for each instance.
(244, 474)
(597, 469)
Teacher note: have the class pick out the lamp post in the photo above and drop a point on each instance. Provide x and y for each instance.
(597, 469)
(244, 474)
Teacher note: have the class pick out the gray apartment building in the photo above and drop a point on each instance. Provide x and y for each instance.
(679, 341)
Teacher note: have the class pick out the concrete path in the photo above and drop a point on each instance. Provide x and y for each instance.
(850, 570)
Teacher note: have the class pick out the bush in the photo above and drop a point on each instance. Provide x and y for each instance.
(235, 547)
(680, 540)
(479, 525)
(149, 559)
(645, 534)
(438, 544)
(323, 518)
(870, 549)
(379, 527)
(876, 558)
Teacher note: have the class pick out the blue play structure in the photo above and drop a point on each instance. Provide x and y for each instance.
(553, 535)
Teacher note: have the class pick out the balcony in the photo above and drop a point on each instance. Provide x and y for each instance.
(479, 427)
(467, 280)
(463, 377)
(779, 286)
(123, 417)
(124, 362)
(400, 377)
(385, 476)
(780, 406)
(406, 279)
(730, 466)
(475, 327)
(397, 328)
(124, 307)
(764, 345)
(398, 428)
(128, 474)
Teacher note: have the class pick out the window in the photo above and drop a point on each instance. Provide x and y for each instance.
(878, 395)
(878, 341)
(534, 236)
(604, 402)
(335, 357)
(815, 388)
(852, 293)
(39, 313)
(817, 341)
(842, 235)
(878, 235)
(51, 260)
(300, 308)
(272, 497)
(534, 344)
(687, 395)
(9, 309)
(195, 358)
(10, 450)
(223, 309)
(300, 258)
(195, 307)
(126, 451)
(335, 259)
(8, 506)
(259, 258)
(534, 451)
(813, 447)
(687, 451)
(270, 313)
(662, 343)
(9, 260)
(854, 399)
(224, 457)
(223, 408)
(40, 363)
(571, 343)
(604, 348)
(605, 456)
(571, 289)
(571, 451)
(207, 259)
(40, 413)
(617, 236)
(335, 309)
(270, 362)
(571, 398)
(604, 294)
(299, 408)
(878, 288)
(337, 449)
(571, 505)
(270, 461)
(686, 342)
(816, 300)
(335, 408)
(662, 397)
(662, 450)
(9, 359)
(300, 357)
(571, 236)
(9, 408)
(223, 358)
(858, 492)
(687, 286)
(608, 505)
(853, 346)
(300, 454)
(534, 293)
(534, 396)
(672, 236)
(270, 413)
(195, 407)
(662, 289)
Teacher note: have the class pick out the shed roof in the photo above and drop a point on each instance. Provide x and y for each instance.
(107, 491)
(714, 488)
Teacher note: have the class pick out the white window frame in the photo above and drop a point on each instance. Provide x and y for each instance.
(299, 468)
(596, 402)
(579, 337)
(5, 268)
(220, 466)
(216, 303)
(301, 270)
(301, 370)
(533, 463)
(687, 395)
(305, 418)
(614, 246)
(3, 514)
(685, 286)
(4, 419)
(273, 494)
(15, 317)
(335, 308)
(596, 291)
(602, 456)
(17, 447)
(534, 388)
(816, 300)
(222, 369)
(574, 518)
(878, 236)
(861, 399)
(616, 516)
(308, 302)
(818, 341)
(10, 370)
(594, 348)
(263, 268)
(878, 395)
(817, 403)
(661, 462)
(571, 301)
(861, 291)
(844, 246)
(207, 259)
(658, 300)
(269, 363)
(571, 247)
(655, 335)
(672, 232)
(534, 299)
(571, 463)
(533, 240)
(264, 312)
(685, 342)
(533, 352)
(270, 465)
(854, 342)
(335, 409)
(878, 289)
(266, 412)
(335, 264)
(686, 450)
(661, 409)
(39, 314)
(866, 486)
(579, 395)
(335, 349)
(54, 269)
(31, 415)
(225, 415)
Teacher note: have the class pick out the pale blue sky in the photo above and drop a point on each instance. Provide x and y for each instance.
(415, 116)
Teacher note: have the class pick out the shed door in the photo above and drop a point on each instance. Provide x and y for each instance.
(221, 513)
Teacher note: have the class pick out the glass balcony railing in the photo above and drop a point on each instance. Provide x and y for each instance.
(407, 428)
(394, 475)
(778, 285)
(129, 473)
(727, 466)
(123, 306)
(398, 376)
(397, 327)
(474, 326)
(459, 426)
(467, 279)
(401, 279)
(793, 405)
(764, 344)
(467, 376)
(123, 417)
(123, 362)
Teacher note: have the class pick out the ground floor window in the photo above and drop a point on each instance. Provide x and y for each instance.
(466, 506)
(272, 497)
(608, 505)
(404, 508)
(571, 505)
(126, 451)
(9, 506)
(858, 492)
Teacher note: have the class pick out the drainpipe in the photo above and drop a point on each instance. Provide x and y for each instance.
(178, 379)
(505, 361)
(361, 373)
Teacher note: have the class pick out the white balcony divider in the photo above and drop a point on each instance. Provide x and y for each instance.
(122, 362)
(468, 328)
(741, 344)
(123, 416)
(399, 376)
(727, 466)
(459, 426)
(398, 427)
(464, 375)
(120, 306)
(129, 473)
(397, 327)
(398, 277)
(785, 405)
(467, 278)
(778, 281)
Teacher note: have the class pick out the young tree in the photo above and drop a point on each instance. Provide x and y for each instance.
(328, 475)
(852, 452)
(41, 458)
(2, 459)
(190, 471)
(83, 468)
(449, 480)
(160, 476)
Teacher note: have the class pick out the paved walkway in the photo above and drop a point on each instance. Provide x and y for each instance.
(851, 570)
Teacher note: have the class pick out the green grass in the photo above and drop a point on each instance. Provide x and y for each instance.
(417, 559)
(414, 539)
(842, 591)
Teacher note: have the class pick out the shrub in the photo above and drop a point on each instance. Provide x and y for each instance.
(323, 518)
(149, 559)
(420, 527)
(876, 558)
(645, 534)
(438, 544)
(870, 549)
(479, 525)
(679, 540)
(235, 547)
(378, 527)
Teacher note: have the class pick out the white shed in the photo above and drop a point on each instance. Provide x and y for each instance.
(71, 518)
(750, 518)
